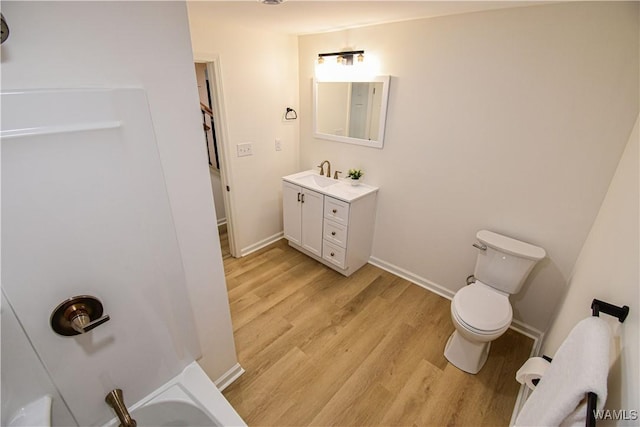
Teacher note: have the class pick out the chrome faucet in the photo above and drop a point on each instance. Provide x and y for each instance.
(321, 166)
(116, 401)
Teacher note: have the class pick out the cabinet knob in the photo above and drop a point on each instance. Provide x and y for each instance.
(332, 254)
(334, 210)
(333, 233)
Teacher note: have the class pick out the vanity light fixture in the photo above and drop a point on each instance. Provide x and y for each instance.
(271, 2)
(344, 58)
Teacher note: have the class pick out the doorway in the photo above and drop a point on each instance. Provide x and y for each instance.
(213, 122)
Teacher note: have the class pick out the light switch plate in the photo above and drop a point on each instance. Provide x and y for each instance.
(245, 149)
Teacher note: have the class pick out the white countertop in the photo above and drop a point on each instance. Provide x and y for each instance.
(342, 189)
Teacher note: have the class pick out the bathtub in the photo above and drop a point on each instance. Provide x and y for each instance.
(190, 399)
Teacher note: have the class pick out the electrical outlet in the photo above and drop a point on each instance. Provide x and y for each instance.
(278, 144)
(245, 149)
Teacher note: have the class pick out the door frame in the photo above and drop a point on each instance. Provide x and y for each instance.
(220, 124)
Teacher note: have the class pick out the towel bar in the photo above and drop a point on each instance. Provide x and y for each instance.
(592, 400)
(621, 313)
(598, 307)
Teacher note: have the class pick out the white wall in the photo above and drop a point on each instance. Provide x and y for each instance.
(607, 269)
(259, 80)
(140, 44)
(510, 120)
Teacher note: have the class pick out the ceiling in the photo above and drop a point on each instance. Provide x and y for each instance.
(309, 16)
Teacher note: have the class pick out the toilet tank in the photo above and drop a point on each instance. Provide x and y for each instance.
(506, 262)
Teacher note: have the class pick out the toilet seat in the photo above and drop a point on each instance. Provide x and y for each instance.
(482, 309)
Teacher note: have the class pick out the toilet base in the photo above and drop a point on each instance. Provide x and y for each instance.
(468, 356)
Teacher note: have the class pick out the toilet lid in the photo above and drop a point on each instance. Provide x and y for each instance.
(482, 308)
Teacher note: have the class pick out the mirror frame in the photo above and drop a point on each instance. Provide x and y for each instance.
(385, 80)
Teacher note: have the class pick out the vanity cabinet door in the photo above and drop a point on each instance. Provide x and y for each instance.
(312, 220)
(292, 212)
(303, 211)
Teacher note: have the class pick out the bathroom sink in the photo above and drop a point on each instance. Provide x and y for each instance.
(317, 180)
(337, 188)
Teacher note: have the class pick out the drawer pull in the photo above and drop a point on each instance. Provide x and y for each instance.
(334, 210)
(332, 254)
(333, 233)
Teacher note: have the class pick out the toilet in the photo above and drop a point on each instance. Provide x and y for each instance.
(481, 312)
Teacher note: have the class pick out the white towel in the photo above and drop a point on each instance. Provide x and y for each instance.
(580, 365)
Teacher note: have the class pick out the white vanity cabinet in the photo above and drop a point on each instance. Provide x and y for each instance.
(332, 223)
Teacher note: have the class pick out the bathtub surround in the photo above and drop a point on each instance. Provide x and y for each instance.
(151, 50)
(99, 225)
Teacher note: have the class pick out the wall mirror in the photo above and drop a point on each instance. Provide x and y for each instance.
(351, 111)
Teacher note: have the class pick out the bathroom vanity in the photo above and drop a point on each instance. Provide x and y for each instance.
(329, 219)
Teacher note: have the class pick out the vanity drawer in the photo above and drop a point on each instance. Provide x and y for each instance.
(335, 233)
(333, 253)
(336, 210)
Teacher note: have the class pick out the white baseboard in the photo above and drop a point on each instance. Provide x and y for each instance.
(413, 278)
(261, 244)
(229, 377)
(530, 332)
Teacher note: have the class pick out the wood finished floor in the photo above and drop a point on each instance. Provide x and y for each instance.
(321, 349)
